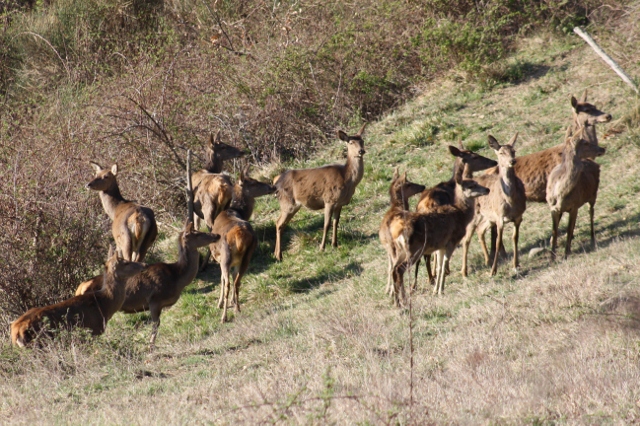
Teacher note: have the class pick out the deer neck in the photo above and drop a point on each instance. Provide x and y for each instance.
(570, 167)
(111, 198)
(399, 201)
(460, 171)
(113, 291)
(242, 203)
(354, 170)
(214, 164)
(187, 265)
(507, 180)
(590, 133)
(464, 204)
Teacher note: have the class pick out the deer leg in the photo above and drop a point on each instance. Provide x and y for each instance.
(336, 219)
(398, 282)
(328, 213)
(465, 246)
(241, 270)
(487, 255)
(573, 215)
(389, 289)
(415, 276)
(492, 245)
(147, 241)
(225, 270)
(440, 258)
(283, 220)
(593, 232)
(225, 298)
(555, 222)
(430, 276)
(155, 311)
(516, 235)
(500, 228)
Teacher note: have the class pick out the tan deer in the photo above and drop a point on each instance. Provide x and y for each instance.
(212, 190)
(466, 163)
(534, 169)
(238, 240)
(438, 230)
(399, 192)
(506, 203)
(160, 285)
(92, 310)
(133, 226)
(572, 183)
(328, 187)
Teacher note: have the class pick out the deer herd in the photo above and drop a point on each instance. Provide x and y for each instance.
(448, 214)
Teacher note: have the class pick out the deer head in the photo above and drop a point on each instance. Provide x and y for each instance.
(506, 153)
(104, 178)
(586, 114)
(355, 144)
(474, 162)
(582, 147)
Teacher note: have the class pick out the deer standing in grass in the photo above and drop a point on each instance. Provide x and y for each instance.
(572, 183)
(466, 163)
(133, 226)
(439, 230)
(92, 310)
(328, 187)
(534, 169)
(238, 240)
(506, 203)
(212, 190)
(399, 192)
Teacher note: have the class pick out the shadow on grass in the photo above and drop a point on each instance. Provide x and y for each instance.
(329, 274)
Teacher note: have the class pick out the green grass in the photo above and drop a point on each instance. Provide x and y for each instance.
(319, 342)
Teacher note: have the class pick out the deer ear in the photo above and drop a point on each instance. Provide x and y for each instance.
(460, 145)
(343, 136)
(574, 102)
(114, 169)
(493, 143)
(95, 166)
(211, 141)
(217, 139)
(513, 139)
(404, 176)
(111, 252)
(454, 151)
(568, 133)
(395, 174)
(361, 131)
(189, 228)
(583, 99)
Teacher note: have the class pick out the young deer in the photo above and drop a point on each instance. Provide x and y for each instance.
(212, 190)
(572, 183)
(238, 240)
(329, 187)
(466, 163)
(505, 203)
(134, 227)
(92, 310)
(400, 191)
(438, 230)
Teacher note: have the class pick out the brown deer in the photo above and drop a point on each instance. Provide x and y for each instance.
(399, 192)
(328, 187)
(466, 163)
(439, 230)
(160, 285)
(133, 226)
(506, 203)
(92, 310)
(534, 169)
(572, 183)
(212, 190)
(238, 240)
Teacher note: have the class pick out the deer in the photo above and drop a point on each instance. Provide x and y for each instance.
(400, 191)
(91, 311)
(133, 226)
(534, 169)
(466, 163)
(238, 240)
(160, 285)
(438, 230)
(573, 183)
(329, 187)
(212, 190)
(505, 203)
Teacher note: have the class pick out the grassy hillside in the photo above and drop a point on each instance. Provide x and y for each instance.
(319, 342)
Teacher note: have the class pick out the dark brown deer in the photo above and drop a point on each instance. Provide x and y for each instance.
(572, 183)
(238, 240)
(92, 310)
(439, 230)
(466, 163)
(212, 190)
(133, 226)
(328, 187)
(534, 169)
(506, 203)
(399, 192)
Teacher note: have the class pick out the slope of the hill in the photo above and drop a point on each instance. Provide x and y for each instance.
(319, 342)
